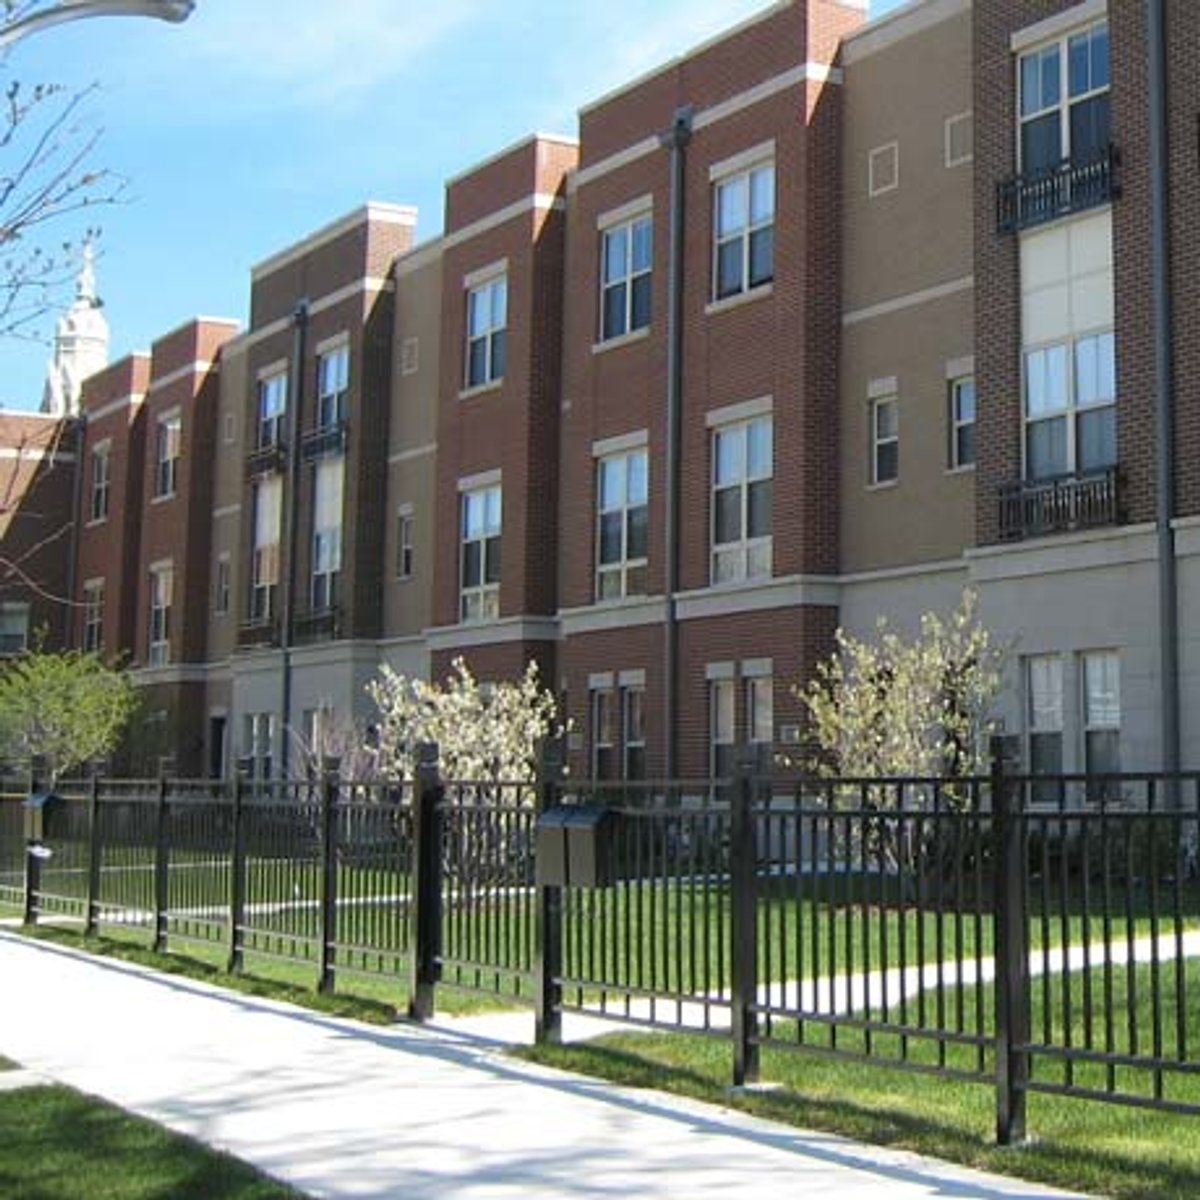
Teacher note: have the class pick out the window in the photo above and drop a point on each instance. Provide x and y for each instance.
(744, 256)
(627, 254)
(480, 591)
(604, 739)
(258, 739)
(1070, 407)
(760, 719)
(1064, 101)
(1101, 713)
(722, 703)
(166, 457)
(14, 627)
(633, 700)
(1044, 687)
(317, 726)
(487, 317)
(742, 481)
(962, 423)
(621, 520)
(272, 405)
(162, 581)
(327, 533)
(883, 169)
(885, 440)
(264, 569)
(222, 589)
(404, 543)
(101, 478)
(93, 616)
(333, 378)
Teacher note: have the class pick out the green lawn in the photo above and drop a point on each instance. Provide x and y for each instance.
(60, 1145)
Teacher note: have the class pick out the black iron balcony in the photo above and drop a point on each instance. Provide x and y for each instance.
(1072, 186)
(324, 441)
(1036, 507)
(257, 632)
(265, 460)
(319, 625)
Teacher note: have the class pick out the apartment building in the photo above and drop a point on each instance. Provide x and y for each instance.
(797, 332)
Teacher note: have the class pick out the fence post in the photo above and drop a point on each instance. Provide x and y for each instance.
(330, 788)
(1011, 930)
(237, 882)
(425, 930)
(162, 864)
(743, 954)
(33, 861)
(548, 928)
(93, 877)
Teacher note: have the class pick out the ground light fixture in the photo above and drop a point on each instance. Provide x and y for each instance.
(76, 10)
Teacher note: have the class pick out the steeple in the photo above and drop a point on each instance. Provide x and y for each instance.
(80, 343)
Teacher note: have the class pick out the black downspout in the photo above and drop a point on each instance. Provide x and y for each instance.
(1168, 599)
(291, 530)
(677, 141)
(80, 432)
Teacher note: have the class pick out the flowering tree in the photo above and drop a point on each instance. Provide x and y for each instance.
(484, 732)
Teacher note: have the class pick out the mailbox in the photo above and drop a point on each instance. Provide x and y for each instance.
(575, 847)
(40, 808)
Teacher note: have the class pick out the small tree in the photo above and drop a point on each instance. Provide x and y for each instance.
(64, 708)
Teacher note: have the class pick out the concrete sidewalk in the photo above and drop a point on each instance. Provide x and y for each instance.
(338, 1109)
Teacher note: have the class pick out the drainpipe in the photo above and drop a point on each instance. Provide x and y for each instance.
(676, 141)
(291, 526)
(80, 432)
(1168, 599)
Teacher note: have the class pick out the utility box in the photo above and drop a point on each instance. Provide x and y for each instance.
(575, 847)
(40, 808)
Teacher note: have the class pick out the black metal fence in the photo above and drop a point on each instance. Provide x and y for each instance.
(1025, 933)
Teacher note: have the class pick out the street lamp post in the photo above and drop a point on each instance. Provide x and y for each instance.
(77, 10)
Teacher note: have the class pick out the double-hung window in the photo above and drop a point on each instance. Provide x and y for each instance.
(166, 455)
(327, 533)
(479, 594)
(627, 254)
(333, 381)
(621, 519)
(258, 740)
(93, 616)
(744, 226)
(162, 582)
(604, 733)
(487, 321)
(1071, 407)
(404, 542)
(272, 405)
(722, 724)
(101, 481)
(1064, 100)
(221, 590)
(885, 439)
(742, 478)
(264, 567)
(633, 703)
(1101, 712)
(962, 423)
(1044, 689)
(760, 718)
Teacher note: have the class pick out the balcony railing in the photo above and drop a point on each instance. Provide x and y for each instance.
(319, 624)
(258, 631)
(265, 460)
(324, 441)
(1034, 508)
(1073, 186)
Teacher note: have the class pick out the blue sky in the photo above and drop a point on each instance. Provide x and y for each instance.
(258, 121)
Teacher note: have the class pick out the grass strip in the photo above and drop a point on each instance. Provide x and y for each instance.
(55, 1139)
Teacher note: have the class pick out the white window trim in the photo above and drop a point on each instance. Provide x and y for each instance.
(478, 281)
(621, 567)
(876, 155)
(629, 333)
(873, 405)
(174, 417)
(405, 518)
(720, 174)
(746, 543)
(952, 388)
(951, 121)
(482, 590)
(642, 206)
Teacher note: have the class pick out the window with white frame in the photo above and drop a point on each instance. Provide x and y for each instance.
(604, 733)
(742, 478)
(404, 542)
(760, 718)
(633, 730)
(960, 139)
(162, 583)
(166, 455)
(744, 227)
(487, 321)
(258, 740)
(479, 594)
(264, 565)
(14, 627)
(93, 616)
(883, 169)
(722, 723)
(333, 381)
(885, 439)
(627, 254)
(1064, 100)
(1071, 407)
(317, 727)
(621, 525)
(1044, 718)
(962, 422)
(1101, 676)
(327, 533)
(101, 481)
(221, 590)
(272, 407)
